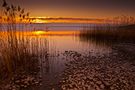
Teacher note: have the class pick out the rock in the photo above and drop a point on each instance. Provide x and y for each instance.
(102, 86)
(99, 82)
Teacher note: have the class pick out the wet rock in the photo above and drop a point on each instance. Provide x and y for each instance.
(97, 73)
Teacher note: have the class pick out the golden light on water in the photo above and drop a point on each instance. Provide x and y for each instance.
(39, 32)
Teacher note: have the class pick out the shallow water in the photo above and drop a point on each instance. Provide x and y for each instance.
(56, 45)
(51, 49)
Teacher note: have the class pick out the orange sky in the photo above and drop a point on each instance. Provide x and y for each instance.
(77, 8)
(97, 10)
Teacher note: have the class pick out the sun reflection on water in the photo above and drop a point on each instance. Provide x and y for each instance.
(39, 32)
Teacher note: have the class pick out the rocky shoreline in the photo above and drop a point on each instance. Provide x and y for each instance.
(112, 72)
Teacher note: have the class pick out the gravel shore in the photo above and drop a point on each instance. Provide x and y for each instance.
(115, 71)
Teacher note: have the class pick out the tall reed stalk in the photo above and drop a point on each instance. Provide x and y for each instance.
(14, 53)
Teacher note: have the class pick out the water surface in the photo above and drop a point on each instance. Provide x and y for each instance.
(51, 47)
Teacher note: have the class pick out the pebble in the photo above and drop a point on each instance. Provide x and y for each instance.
(105, 68)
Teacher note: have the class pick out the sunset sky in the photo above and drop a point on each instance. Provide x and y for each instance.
(77, 8)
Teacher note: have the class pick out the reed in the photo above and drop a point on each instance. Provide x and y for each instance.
(15, 55)
(109, 36)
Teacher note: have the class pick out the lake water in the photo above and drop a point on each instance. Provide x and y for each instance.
(52, 26)
(56, 45)
(51, 47)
